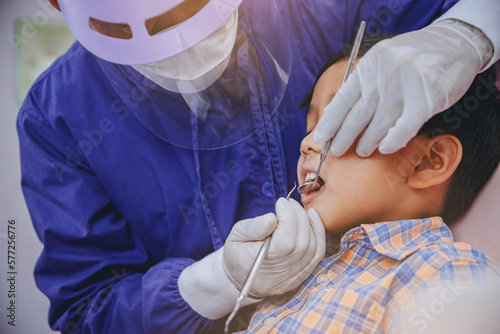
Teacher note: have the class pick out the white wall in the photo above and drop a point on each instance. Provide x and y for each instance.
(31, 304)
(481, 225)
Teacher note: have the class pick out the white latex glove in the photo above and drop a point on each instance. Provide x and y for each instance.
(206, 288)
(297, 246)
(400, 83)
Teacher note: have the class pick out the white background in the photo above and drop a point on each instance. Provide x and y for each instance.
(481, 227)
(31, 305)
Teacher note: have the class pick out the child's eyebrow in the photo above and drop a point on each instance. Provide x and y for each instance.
(311, 109)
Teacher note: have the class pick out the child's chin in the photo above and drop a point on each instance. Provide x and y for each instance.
(339, 225)
(334, 230)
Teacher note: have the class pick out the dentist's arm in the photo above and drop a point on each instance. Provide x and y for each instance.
(403, 81)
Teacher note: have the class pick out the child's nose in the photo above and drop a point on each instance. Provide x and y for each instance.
(308, 146)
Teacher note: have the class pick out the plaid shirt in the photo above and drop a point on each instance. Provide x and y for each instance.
(378, 270)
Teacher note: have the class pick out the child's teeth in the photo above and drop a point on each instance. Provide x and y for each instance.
(310, 176)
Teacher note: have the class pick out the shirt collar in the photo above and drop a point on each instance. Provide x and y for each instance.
(399, 239)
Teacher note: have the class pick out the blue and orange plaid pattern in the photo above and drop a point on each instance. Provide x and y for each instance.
(379, 268)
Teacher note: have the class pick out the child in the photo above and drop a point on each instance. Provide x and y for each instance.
(389, 208)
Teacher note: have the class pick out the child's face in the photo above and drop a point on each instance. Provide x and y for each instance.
(356, 190)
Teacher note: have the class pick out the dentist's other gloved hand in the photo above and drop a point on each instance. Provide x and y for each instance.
(297, 246)
(211, 285)
(400, 83)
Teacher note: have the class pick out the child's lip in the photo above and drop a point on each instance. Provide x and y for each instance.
(309, 167)
(308, 198)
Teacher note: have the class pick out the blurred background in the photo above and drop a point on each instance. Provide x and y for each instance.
(32, 36)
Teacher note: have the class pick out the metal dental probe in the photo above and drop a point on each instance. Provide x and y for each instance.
(245, 289)
(350, 64)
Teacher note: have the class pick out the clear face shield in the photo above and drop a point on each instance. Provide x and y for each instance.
(217, 74)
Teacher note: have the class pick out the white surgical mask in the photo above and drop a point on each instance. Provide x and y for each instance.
(198, 67)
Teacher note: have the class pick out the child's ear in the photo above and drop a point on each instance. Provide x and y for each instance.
(439, 158)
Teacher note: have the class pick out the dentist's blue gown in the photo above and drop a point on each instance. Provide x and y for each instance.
(121, 212)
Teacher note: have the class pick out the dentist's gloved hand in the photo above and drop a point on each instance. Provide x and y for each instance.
(400, 83)
(211, 285)
(297, 246)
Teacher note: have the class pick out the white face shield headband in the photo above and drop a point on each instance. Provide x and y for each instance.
(132, 32)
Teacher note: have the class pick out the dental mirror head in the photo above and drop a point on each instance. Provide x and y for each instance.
(308, 187)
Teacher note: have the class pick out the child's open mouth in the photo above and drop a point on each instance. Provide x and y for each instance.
(310, 177)
(310, 191)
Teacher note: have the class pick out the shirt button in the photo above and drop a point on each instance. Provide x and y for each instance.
(322, 278)
(269, 189)
(270, 322)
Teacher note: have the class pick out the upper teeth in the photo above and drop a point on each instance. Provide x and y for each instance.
(310, 177)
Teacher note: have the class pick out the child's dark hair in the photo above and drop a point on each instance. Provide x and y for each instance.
(474, 120)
